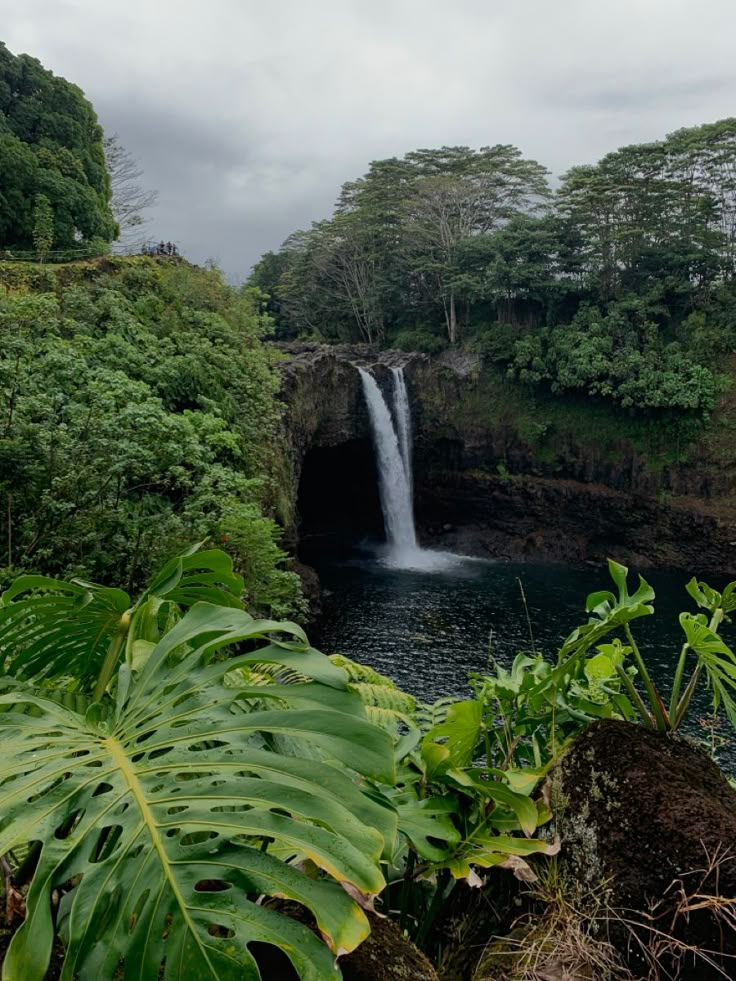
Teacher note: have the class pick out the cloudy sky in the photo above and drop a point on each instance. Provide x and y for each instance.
(247, 116)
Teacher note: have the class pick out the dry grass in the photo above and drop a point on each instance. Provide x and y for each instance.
(653, 934)
(567, 939)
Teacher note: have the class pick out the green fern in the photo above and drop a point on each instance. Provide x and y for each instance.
(428, 716)
(385, 703)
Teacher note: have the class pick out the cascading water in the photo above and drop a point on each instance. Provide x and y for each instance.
(393, 484)
(393, 456)
(403, 421)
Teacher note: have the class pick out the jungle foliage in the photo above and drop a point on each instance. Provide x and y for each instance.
(175, 769)
(203, 784)
(137, 414)
(620, 283)
(155, 806)
(51, 146)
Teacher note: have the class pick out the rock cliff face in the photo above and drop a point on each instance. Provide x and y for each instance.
(500, 471)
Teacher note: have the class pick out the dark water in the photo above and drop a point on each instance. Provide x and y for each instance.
(428, 630)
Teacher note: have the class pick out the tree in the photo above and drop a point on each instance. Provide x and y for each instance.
(459, 193)
(50, 144)
(130, 200)
(349, 269)
(43, 226)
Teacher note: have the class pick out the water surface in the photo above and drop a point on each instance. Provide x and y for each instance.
(427, 630)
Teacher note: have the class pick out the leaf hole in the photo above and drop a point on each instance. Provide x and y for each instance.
(205, 745)
(212, 885)
(198, 837)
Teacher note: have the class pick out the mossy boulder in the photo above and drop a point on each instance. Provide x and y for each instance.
(649, 820)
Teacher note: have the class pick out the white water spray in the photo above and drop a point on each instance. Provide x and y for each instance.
(396, 502)
(403, 422)
(393, 445)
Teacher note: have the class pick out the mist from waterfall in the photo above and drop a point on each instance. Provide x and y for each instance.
(393, 447)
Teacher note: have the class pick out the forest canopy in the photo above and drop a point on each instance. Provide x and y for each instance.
(618, 283)
(51, 157)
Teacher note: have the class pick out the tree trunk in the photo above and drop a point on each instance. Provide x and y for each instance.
(452, 320)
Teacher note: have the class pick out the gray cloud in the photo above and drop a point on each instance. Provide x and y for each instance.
(247, 117)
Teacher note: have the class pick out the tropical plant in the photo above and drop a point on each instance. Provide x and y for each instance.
(530, 713)
(713, 658)
(164, 806)
(456, 817)
(80, 631)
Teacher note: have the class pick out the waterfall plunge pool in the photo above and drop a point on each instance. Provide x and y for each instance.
(428, 630)
(427, 619)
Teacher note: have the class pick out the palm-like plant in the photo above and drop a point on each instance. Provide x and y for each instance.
(162, 814)
(50, 628)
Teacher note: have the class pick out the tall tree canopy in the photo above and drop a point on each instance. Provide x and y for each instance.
(392, 251)
(51, 145)
(621, 284)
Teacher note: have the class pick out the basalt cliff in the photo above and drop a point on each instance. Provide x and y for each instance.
(504, 471)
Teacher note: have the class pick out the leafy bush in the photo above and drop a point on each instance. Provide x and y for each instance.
(608, 357)
(496, 342)
(423, 341)
(137, 413)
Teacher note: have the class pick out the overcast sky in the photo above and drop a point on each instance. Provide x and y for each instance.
(247, 116)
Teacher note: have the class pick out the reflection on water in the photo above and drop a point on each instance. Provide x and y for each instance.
(428, 630)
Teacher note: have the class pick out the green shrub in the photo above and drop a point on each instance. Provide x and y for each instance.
(419, 340)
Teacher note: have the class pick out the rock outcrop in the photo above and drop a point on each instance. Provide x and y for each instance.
(648, 823)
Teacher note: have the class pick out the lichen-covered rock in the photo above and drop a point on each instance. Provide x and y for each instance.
(387, 955)
(649, 820)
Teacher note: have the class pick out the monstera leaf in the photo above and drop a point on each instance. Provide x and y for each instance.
(155, 814)
(50, 628)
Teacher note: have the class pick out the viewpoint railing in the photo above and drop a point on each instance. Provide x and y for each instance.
(54, 256)
(170, 249)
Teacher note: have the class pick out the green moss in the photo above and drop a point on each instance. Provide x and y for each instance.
(556, 428)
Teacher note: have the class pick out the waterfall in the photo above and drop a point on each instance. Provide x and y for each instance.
(402, 410)
(393, 481)
(393, 446)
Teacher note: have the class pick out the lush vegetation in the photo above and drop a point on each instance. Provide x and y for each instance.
(201, 783)
(183, 792)
(55, 187)
(619, 284)
(137, 414)
(219, 761)
(181, 769)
